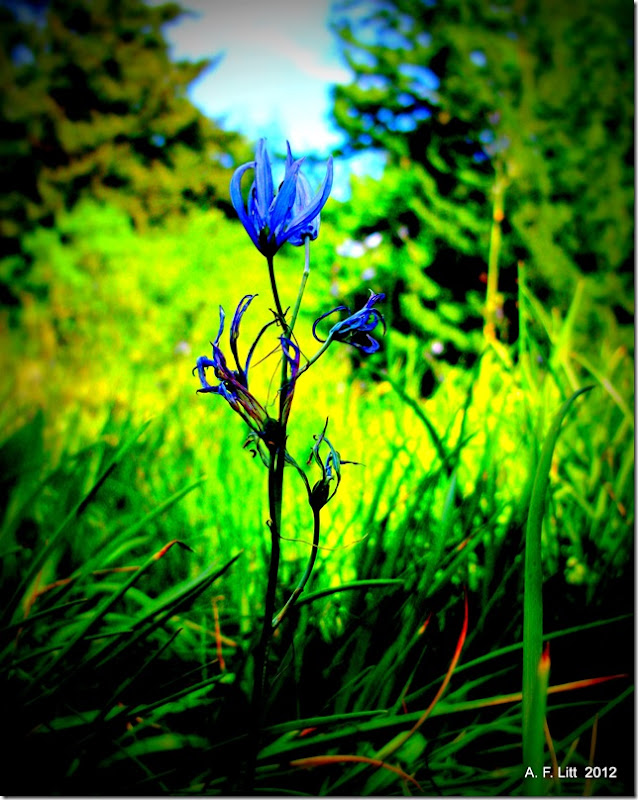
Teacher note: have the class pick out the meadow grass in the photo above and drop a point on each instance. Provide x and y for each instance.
(480, 523)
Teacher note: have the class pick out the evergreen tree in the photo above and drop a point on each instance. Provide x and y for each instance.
(508, 132)
(91, 104)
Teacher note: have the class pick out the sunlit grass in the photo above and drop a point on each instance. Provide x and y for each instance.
(437, 506)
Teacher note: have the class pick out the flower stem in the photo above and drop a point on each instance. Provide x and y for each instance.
(275, 294)
(304, 280)
(304, 578)
(276, 465)
(260, 677)
(275, 492)
(315, 358)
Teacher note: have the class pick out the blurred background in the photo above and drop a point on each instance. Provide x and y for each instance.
(466, 135)
(484, 160)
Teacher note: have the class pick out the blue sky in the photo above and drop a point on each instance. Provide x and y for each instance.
(279, 60)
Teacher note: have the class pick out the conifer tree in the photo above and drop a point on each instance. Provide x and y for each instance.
(508, 134)
(91, 104)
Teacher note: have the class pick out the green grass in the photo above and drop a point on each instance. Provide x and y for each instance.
(134, 551)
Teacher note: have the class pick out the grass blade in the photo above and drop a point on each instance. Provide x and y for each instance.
(56, 538)
(533, 734)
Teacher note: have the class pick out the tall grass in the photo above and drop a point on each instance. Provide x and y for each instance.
(133, 572)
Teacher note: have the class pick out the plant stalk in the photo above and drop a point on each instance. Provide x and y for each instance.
(305, 577)
(491, 299)
(275, 293)
(276, 465)
(304, 280)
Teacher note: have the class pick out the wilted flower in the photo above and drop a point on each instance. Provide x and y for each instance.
(292, 355)
(233, 384)
(322, 492)
(355, 329)
(290, 214)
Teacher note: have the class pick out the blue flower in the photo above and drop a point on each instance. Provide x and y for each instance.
(233, 384)
(289, 215)
(355, 329)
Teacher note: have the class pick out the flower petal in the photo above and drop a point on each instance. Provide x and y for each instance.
(234, 327)
(311, 228)
(263, 187)
(238, 202)
(323, 316)
(222, 317)
(354, 330)
(284, 201)
(289, 158)
(293, 361)
(370, 347)
(303, 199)
(202, 363)
(373, 299)
(311, 210)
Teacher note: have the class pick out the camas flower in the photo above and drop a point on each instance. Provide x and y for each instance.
(233, 384)
(355, 329)
(289, 215)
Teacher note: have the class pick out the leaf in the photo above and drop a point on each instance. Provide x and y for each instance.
(533, 734)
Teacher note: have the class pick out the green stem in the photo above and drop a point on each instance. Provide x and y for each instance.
(275, 494)
(275, 293)
(260, 678)
(304, 280)
(315, 358)
(304, 578)
(276, 466)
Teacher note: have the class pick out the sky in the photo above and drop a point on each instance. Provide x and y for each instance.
(278, 62)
